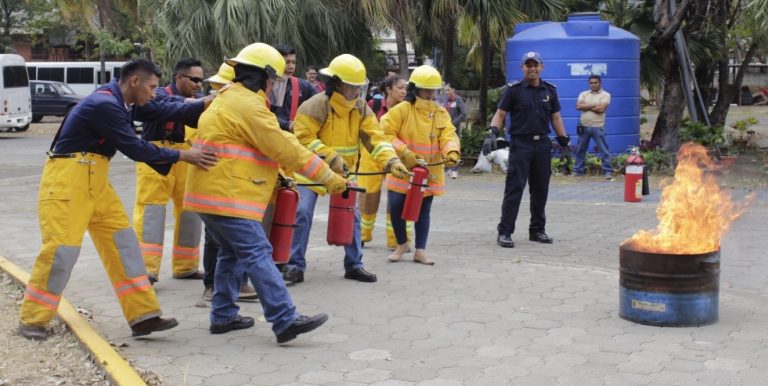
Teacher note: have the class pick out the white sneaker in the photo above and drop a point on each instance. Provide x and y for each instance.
(454, 174)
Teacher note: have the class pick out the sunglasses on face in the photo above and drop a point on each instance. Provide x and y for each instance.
(192, 78)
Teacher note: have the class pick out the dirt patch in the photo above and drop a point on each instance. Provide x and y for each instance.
(56, 361)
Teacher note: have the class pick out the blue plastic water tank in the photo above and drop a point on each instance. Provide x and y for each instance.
(576, 49)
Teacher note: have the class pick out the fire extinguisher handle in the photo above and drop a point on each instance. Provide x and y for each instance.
(356, 189)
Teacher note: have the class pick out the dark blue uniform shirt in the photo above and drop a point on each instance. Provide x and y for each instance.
(101, 123)
(162, 130)
(530, 107)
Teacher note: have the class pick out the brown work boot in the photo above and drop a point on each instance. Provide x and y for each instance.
(247, 292)
(420, 256)
(397, 254)
(153, 325)
(33, 332)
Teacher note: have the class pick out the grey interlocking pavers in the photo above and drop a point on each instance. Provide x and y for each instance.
(531, 315)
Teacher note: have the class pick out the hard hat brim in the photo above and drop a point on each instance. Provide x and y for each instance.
(217, 79)
(269, 70)
(327, 72)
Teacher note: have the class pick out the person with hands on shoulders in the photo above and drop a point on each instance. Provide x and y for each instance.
(421, 131)
(233, 197)
(533, 106)
(75, 195)
(333, 125)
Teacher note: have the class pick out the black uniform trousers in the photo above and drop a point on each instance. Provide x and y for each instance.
(529, 161)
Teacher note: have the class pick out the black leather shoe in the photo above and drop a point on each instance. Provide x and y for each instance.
(197, 275)
(301, 325)
(292, 276)
(33, 332)
(505, 241)
(540, 237)
(153, 325)
(240, 323)
(360, 275)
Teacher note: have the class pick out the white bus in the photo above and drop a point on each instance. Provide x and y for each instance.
(82, 77)
(16, 108)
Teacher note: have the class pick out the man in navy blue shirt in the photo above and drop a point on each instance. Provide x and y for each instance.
(533, 105)
(154, 190)
(289, 92)
(75, 195)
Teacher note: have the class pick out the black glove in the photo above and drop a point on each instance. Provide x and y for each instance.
(495, 131)
(564, 141)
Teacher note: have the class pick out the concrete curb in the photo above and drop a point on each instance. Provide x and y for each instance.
(114, 365)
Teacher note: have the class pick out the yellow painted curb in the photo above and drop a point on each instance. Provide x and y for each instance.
(114, 365)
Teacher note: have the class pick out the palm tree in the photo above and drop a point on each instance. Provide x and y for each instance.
(213, 30)
(437, 22)
(500, 16)
(395, 15)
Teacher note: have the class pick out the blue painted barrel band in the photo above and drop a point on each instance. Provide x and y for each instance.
(668, 309)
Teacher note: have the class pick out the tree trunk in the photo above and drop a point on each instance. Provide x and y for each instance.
(102, 54)
(720, 111)
(485, 42)
(402, 50)
(449, 37)
(673, 104)
(8, 14)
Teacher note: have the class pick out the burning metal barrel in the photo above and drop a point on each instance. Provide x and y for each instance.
(672, 290)
(670, 275)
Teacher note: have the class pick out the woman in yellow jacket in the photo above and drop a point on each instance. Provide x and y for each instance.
(422, 126)
(393, 91)
(233, 196)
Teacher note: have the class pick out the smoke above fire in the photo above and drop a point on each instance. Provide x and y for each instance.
(694, 212)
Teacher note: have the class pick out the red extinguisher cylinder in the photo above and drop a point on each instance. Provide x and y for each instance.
(633, 179)
(415, 195)
(341, 218)
(283, 222)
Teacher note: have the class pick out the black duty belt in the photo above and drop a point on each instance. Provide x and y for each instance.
(531, 137)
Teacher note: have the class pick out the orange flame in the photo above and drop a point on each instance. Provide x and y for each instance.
(694, 213)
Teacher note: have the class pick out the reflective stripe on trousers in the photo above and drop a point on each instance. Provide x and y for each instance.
(75, 196)
(153, 191)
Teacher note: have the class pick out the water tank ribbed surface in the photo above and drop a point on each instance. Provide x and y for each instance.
(576, 49)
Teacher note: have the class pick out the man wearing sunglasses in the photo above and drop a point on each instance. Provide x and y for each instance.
(154, 190)
(532, 105)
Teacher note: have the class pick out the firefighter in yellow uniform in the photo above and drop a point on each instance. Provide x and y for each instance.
(75, 195)
(422, 126)
(233, 196)
(393, 92)
(333, 125)
(154, 190)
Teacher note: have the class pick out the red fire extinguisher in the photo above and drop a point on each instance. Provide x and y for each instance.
(633, 177)
(341, 216)
(283, 222)
(415, 195)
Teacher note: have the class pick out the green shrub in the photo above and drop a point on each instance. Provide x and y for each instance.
(472, 140)
(700, 133)
(657, 160)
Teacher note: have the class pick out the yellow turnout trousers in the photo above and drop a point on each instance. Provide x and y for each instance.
(153, 191)
(369, 201)
(75, 195)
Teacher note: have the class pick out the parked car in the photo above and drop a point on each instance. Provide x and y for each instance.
(51, 98)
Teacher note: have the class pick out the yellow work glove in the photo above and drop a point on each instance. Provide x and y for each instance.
(397, 168)
(335, 184)
(413, 159)
(337, 164)
(452, 159)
